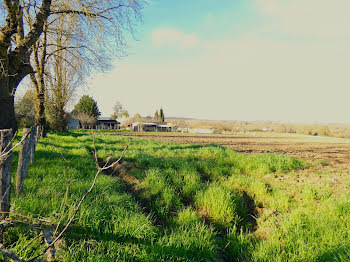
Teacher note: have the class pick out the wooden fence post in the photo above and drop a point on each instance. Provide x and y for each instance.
(38, 133)
(5, 174)
(32, 142)
(23, 162)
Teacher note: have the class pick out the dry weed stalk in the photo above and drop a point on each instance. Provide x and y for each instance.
(50, 238)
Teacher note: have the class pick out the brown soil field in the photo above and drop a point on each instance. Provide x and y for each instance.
(332, 152)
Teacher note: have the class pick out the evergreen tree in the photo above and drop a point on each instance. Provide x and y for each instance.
(156, 117)
(162, 117)
(87, 105)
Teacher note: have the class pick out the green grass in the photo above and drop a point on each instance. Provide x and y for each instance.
(191, 203)
(220, 204)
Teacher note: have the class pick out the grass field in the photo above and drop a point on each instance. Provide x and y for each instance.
(183, 202)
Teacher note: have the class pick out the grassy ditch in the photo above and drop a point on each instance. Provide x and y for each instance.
(172, 202)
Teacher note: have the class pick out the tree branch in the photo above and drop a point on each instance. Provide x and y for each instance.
(79, 12)
(35, 31)
(11, 22)
(89, 13)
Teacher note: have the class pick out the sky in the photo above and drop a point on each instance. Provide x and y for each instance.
(277, 60)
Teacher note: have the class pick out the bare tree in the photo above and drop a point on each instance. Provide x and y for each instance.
(181, 123)
(64, 74)
(87, 121)
(118, 110)
(99, 20)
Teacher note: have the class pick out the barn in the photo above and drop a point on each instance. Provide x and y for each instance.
(152, 127)
(106, 123)
(101, 123)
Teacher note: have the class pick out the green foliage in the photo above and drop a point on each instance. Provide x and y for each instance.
(161, 115)
(56, 116)
(156, 117)
(25, 109)
(87, 105)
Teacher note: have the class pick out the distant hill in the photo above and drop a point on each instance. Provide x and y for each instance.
(242, 127)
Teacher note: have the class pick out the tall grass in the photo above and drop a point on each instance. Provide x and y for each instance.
(191, 203)
(221, 205)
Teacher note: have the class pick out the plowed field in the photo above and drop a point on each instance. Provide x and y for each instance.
(334, 152)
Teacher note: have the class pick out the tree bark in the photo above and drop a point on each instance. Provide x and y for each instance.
(14, 62)
(23, 162)
(7, 112)
(41, 118)
(7, 109)
(5, 173)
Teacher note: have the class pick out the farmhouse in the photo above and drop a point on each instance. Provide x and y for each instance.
(73, 123)
(153, 127)
(106, 123)
(101, 123)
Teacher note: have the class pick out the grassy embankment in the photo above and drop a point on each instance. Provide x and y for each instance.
(171, 202)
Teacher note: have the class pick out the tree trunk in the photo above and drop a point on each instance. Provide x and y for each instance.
(23, 162)
(41, 118)
(62, 119)
(5, 173)
(7, 108)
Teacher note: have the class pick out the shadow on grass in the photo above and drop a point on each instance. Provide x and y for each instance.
(150, 205)
(175, 146)
(124, 170)
(155, 250)
(341, 253)
(70, 134)
(76, 232)
(161, 247)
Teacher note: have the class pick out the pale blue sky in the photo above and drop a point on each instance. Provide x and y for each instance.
(240, 59)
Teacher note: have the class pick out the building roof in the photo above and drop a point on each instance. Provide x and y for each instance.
(107, 121)
(104, 118)
(151, 123)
